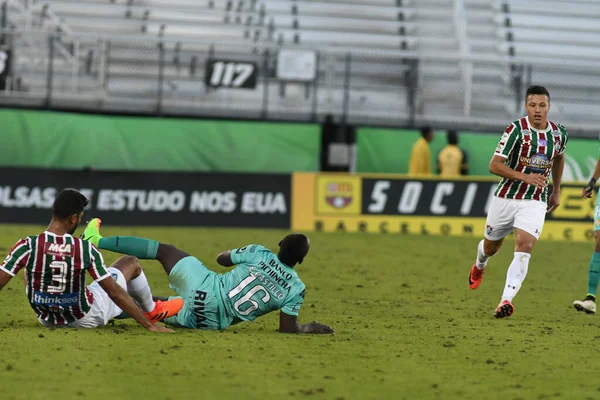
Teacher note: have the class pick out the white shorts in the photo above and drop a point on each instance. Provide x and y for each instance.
(505, 215)
(103, 308)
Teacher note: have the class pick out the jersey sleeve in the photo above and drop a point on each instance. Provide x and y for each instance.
(246, 253)
(507, 141)
(96, 268)
(294, 303)
(564, 143)
(17, 257)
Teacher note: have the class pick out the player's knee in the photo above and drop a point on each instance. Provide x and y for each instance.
(132, 263)
(525, 247)
(164, 250)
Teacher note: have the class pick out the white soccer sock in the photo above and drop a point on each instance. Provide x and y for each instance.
(139, 289)
(482, 258)
(516, 275)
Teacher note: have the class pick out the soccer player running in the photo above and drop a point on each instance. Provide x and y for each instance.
(55, 263)
(528, 150)
(588, 304)
(262, 281)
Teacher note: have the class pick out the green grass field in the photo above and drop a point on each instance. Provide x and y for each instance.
(407, 327)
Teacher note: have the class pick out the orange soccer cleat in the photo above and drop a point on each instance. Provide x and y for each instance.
(475, 277)
(164, 309)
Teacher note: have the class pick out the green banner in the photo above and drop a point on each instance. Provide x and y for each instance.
(74, 141)
(388, 151)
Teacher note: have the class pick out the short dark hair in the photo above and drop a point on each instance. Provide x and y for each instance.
(452, 136)
(536, 89)
(426, 130)
(68, 202)
(293, 248)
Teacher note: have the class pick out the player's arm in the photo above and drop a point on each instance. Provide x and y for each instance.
(17, 258)
(589, 188)
(122, 299)
(290, 324)
(247, 253)
(4, 279)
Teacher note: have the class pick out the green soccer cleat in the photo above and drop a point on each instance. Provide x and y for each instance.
(92, 231)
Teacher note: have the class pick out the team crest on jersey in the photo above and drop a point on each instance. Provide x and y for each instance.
(338, 195)
(489, 229)
(59, 250)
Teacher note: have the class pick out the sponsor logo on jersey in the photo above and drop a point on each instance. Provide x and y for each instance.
(556, 133)
(55, 299)
(489, 229)
(59, 250)
(543, 142)
(526, 132)
(538, 163)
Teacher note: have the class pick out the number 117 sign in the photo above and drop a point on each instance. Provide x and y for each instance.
(230, 74)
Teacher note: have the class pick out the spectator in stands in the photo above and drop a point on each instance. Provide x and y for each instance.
(420, 155)
(452, 160)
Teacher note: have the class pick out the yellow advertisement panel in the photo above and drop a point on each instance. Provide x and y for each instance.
(339, 203)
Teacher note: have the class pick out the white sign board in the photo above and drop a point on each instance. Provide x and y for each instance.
(296, 65)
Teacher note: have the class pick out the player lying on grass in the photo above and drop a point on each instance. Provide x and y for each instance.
(55, 263)
(262, 281)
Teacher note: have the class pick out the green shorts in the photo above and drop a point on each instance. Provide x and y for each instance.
(198, 286)
(597, 215)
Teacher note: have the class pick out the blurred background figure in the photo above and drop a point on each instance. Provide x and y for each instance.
(420, 156)
(452, 160)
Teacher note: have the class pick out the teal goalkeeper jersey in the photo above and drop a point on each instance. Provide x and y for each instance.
(260, 284)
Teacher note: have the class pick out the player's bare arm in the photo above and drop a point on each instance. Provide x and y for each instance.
(589, 188)
(290, 324)
(499, 167)
(224, 259)
(4, 279)
(557, 170)
(125, 303)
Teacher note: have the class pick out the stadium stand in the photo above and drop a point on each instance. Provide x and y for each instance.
(403, 52)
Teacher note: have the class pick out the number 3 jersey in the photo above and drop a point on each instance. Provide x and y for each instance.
(260, 284)
(55, 274)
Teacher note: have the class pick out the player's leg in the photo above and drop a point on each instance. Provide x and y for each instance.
(499, 223)
(139, 289)
(529, 222)
(137, 286)
(146, 249)
(588, 304)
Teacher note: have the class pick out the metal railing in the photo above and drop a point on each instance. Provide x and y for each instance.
(161, 76)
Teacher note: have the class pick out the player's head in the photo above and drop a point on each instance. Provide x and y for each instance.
(427, 133)
(452, 137)
(68, 208)
(293, 248)
(537, 104)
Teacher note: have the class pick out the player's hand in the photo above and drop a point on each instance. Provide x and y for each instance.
(553, 201)
(315, 327)
(537, 180)
(589, 189)
(160, 328)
